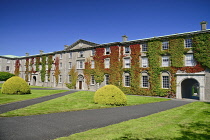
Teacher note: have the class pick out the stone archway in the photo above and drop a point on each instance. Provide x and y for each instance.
(190, 88)
(34, 80)
(193, 79)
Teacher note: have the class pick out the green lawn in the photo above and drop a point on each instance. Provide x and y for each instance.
(4, 98)
(81, 100)
(188, 122)
(39, 87)
(1, 84)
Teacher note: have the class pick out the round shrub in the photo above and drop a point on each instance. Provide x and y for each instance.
(110, 95)
(15, 85)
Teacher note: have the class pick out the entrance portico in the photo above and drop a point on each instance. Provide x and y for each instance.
(185, 81)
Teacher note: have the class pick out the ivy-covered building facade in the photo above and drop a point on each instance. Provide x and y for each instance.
(176, 65)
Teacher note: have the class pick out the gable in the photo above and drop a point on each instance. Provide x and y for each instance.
(80, 44)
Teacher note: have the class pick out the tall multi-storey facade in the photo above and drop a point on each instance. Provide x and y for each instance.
(169, 65)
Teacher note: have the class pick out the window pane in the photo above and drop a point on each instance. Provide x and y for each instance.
(165, 45)
(165, 81)
(127, 81)
(127, 62)
(165, 61)
(145, 82)
(144, 47)
(189, 60)
(144, 62)
(188, 43)
(127, 49)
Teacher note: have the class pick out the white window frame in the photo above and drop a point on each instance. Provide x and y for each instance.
(189, 60)
(107, 63)
(127, 50)
(92, 64)
(61, 56)
(80, 64)
(144, 62)
(165, 45)
(144, 47)
(127, 62)
(145, 81)
(165, 61)
(188, 43)
(127, 80)
(107, 51)
(165, 81)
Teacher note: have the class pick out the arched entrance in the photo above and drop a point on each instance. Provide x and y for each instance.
(190, 88)
(80, 81)
(34, 80)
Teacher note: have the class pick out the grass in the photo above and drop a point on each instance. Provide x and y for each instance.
(189, 122)
(1, 84)
(4, 98)
(39, 87)
(82, 100)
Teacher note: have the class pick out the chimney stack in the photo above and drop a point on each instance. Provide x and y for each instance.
(203, 25)
(41, 51)
(124, 38)
(27, 54)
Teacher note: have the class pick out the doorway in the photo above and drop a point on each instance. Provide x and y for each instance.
(80, 79)
(34, 80)
(190, 89)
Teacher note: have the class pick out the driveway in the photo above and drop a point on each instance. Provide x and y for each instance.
(51, 126)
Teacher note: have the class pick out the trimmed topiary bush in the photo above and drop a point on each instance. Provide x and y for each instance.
(5, 75)
(110, 95)
(15, 85)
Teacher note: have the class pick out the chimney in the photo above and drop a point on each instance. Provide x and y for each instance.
(203, 25)
(41, 51)
(124, 38)
(27, 54)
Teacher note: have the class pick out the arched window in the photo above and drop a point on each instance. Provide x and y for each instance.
(127, 80)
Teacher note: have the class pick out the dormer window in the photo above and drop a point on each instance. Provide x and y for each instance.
(107, 50)
(127, 50)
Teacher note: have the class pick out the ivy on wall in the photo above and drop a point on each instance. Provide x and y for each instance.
(43, 70)
(49, 64)
(27, 69)
(37, 63)
(87, 72)
(201, 47)
(57, 71)
(176, 52)
(17, 67)
(73, 78)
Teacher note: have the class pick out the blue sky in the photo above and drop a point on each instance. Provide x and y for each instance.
(48, 25)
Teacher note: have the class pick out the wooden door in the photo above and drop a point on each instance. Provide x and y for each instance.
(80, 84)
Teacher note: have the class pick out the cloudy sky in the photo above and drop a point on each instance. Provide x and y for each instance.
(48, 25)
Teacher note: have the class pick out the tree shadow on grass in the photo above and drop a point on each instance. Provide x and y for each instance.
(198, 130)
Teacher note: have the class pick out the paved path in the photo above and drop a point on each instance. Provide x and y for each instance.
(16, 105)
(51, 126)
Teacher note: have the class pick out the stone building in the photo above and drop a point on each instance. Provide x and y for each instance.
(161, 66)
